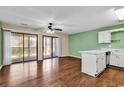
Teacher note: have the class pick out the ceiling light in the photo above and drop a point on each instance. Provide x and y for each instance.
(120, 14)
(50, 31)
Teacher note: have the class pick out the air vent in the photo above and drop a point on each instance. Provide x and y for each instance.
(23, 24)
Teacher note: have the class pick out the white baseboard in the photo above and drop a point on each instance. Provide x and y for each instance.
(75, 56)
(1, 67)
(64, 55)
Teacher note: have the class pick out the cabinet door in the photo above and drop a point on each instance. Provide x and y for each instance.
(101, 37)
(107, 37)
(88, 65)
(121, 61)
(113, 60)
(101, 63)
(104, 37)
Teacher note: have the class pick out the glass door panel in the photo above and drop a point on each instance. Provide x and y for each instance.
(30, 47)
(24, 47)
(50, 47)
(33, 47)
(17, 47)
(47, 47)
(55, 47)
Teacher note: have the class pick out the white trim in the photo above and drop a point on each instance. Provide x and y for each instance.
(63, 55)
(115, 30)
(1, 67)
(75, 56)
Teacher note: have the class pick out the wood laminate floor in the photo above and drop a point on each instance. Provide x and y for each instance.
(62, 72)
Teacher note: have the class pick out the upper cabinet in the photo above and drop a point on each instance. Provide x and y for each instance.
(104, 37)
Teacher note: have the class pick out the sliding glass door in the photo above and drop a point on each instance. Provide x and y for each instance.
(24, 47)
(47, 47)
(56, 47)
(30, 47)
(50, 47)
(33, 47)
(17, 47)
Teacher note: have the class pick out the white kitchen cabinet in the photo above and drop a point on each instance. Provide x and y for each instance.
(101, 62)
(101, 37)
(104, 37)
(121, 61)
(117, 59)
(93, 64)
(94, 61)
(113, 60)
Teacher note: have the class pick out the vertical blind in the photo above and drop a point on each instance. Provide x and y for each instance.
(7, 48)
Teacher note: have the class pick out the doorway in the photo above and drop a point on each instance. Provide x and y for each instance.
(51, 47)
(24, 47)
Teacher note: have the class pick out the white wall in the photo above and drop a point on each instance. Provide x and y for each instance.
(64, 44)
(63, 38)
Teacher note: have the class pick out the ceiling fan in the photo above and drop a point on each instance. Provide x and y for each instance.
(53, 29)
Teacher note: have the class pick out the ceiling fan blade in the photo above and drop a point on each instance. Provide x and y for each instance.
(57, 29)
(50, 27)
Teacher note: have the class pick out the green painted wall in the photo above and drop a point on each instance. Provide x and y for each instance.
(1, 44)
(89, 40)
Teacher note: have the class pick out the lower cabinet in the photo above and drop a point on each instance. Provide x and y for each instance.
(101, 63)
(113, 60)
(121, 61)
(117, 60)
(93, 64)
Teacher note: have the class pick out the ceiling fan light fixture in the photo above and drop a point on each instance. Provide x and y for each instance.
(50, 31)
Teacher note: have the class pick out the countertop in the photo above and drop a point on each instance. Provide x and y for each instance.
(95, 52)
(104, 50)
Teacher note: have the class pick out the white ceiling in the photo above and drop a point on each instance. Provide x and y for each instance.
(71, 19)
